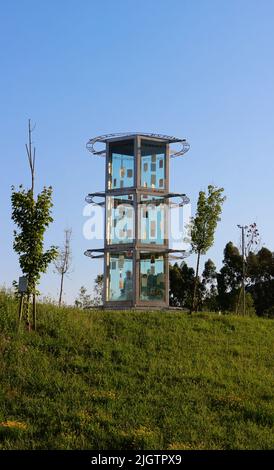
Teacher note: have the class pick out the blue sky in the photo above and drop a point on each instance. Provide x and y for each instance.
(200, 69)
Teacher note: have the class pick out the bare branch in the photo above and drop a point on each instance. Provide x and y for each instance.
(63, 261)
(34, 152)
(31, 158)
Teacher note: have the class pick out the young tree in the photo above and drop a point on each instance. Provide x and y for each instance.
(98, 290)
(83, 300)
(32, 216)
(63, 261)
(203, 226)
(209, 276)
(229, 278)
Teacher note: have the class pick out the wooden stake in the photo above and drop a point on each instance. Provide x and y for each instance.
(34, 311)
(20, 310)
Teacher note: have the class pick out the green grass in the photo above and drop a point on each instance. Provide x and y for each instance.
(135, 380)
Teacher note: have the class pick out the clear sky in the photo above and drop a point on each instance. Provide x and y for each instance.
(200, 69)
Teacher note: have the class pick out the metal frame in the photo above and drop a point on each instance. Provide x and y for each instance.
(136, 247)
(184, 199)
(104, 139)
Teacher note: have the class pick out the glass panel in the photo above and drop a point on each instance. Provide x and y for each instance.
(152, 219)
(120, 219)
(121, 165)
(153, 165)
(119, 283)
(152, 277)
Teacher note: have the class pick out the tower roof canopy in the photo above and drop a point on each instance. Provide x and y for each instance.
(104, 139)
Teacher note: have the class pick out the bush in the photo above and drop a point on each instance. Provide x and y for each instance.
(269, 312)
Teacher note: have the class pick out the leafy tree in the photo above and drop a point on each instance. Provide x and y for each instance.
(259, 280)
(98, 290)
(209, 283)
(269, 312)
(260, 275)
(210, 275)
(249, 305)
(203, 226)
(229, 278)
(63, 261)
(83, 300)
(176, 291)
(181, 282)
(32, 215)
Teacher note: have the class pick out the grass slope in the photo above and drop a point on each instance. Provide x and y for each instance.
(141, 380)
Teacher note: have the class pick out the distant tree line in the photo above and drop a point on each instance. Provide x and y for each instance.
(220, 291)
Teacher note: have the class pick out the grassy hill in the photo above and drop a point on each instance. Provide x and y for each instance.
(141, 380)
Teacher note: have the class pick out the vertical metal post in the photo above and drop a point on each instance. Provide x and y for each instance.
(106, 256)
(243, 255)
(243, 228)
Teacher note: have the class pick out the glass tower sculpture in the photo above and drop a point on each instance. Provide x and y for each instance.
(136, 199)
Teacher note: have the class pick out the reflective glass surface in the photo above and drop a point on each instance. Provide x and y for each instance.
(153, 165)
(120, 280)
(121, 165)
(152, 277)
(120, 219)
(152, 219)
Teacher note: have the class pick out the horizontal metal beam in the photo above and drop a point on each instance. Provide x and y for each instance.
(173, 254)
(90, 198)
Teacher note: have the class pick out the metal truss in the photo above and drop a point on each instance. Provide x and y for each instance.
(98, 253)
(103, 139)
(183, 199)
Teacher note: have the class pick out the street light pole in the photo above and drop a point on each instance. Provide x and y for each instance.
(243, 228)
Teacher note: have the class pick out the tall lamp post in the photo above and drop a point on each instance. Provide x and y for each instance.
(243, 229)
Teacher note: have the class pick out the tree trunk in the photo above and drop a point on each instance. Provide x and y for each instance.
(193, 306)
(61, 290)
